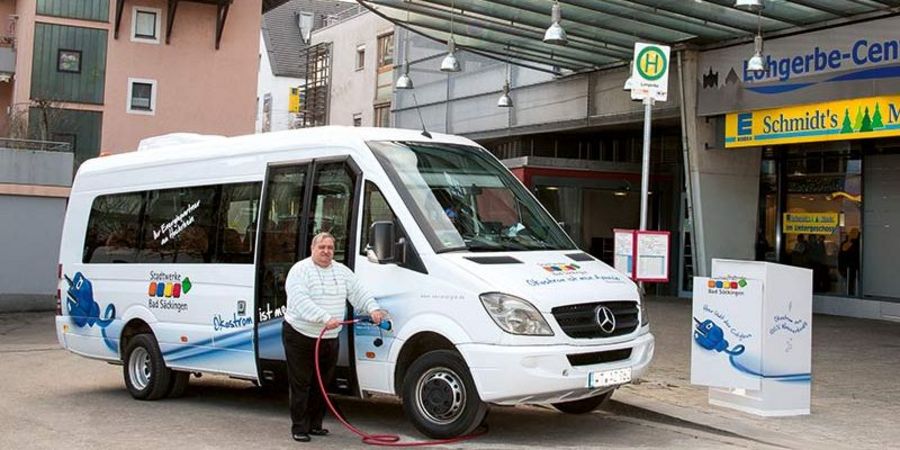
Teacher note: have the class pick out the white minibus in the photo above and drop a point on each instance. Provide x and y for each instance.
(174, 257)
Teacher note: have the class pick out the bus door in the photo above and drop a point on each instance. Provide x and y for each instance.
(301, 200)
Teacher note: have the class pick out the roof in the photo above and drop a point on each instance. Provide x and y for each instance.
(602, 33)
(281, 32)
(256, 144)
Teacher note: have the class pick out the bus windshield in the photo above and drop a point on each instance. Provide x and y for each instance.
(464, 199)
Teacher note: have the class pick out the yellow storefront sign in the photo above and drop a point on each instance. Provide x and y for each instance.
(294, 100)
(810, 223)
(840, 120)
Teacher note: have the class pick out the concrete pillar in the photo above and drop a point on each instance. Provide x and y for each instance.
(724, 184)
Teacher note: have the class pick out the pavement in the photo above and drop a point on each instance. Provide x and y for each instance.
(855, 393)
(50, 397)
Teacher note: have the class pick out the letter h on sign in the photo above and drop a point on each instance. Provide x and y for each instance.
(744, 124)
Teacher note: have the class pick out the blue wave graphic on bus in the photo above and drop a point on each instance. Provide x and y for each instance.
(85, 311)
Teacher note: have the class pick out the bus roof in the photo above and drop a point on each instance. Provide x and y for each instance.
(198, 149)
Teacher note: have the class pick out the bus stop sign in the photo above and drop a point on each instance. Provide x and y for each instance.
(651, 72)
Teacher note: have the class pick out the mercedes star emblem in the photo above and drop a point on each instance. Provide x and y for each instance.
(606, 319)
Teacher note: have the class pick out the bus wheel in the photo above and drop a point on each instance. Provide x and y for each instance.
(146, 374)
(178, 382)
(584, 405)
(439, 396)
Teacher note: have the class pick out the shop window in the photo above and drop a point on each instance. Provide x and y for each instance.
(822, 216)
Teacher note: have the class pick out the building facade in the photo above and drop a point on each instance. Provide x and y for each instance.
(792, 164)
(819, 127)
(101, 75)
(286, 33)
(360, 78)
(82, 77)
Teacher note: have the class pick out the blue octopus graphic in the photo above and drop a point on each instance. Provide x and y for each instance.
(84, 310)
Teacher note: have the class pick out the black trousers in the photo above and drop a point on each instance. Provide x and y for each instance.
(307, 404)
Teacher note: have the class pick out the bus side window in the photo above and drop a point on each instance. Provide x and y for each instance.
(112, 232)
(237, 215)
(376, 209)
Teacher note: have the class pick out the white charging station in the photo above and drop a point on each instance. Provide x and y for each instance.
(752, 337)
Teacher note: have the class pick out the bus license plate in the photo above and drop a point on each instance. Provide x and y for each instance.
(609, 377)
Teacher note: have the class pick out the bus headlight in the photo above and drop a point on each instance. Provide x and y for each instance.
(515, 315)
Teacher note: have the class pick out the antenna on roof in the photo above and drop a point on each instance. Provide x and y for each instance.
(424, 131)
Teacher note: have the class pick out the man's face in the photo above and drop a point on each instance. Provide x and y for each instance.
(323, 252)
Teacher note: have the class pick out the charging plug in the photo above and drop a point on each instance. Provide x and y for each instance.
(710, 336)
(384, 325)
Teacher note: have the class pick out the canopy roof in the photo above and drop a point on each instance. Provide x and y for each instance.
(603, 32)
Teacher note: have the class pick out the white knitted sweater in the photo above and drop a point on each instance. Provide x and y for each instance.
(316, 295)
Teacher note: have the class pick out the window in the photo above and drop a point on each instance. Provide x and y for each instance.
(237, 223)
(179, 226)
(376, 210)
(357, 120)
(68, 61)
(386, 50)
(331, 206)
(203, 224)
(383, 115)
(360, 57)
(113, 229)
(267, 113)
(145, 25)
(141, 96)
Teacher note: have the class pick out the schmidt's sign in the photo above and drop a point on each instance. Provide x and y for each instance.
(831, 121)
(859, 60)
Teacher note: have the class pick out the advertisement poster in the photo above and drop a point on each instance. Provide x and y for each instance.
(811, 223)
(726, 333)
(623, 259)
(652, 256)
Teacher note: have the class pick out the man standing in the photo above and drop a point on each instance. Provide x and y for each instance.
(317, 288)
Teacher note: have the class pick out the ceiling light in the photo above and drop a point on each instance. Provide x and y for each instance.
(404, 82)
(757, 63)
(450, 63)
(629, 83)
(505, 101)
(750, 5)
(555, 34)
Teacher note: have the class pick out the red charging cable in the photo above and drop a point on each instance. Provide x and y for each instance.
(385, 440)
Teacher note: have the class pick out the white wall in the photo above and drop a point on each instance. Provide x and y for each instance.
(279, 87)
(353, 91)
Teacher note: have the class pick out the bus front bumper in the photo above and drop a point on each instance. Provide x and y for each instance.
(512, 375)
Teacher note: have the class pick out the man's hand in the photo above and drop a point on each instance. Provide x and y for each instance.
(378, 315)
(332, 324)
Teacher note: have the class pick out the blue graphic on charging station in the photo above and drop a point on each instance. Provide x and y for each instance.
(710, 336)
(84, 311)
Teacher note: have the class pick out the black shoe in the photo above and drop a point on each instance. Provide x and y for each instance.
(301, 437)
(319, 432)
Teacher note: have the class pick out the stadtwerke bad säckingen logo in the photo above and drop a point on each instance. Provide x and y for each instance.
(167, 291)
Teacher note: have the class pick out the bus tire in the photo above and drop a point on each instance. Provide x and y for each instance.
(439, 396)
(584, 405)
(145, 371)
(178, 382)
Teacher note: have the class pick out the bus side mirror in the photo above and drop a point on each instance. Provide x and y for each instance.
(381, 242)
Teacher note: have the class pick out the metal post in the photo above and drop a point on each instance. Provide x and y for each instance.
(645, 161)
